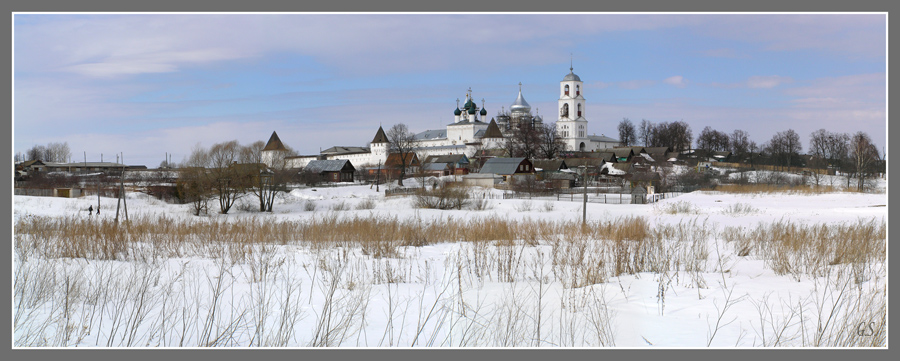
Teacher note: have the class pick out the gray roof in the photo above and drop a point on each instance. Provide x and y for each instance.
(448, 158)
(432, 134)
(602, 138)
(465, 121)
(333, 165)
(436, 166)
(550, 165)
(501, 165)
(345, 150)
(571, 76)
(457, 147)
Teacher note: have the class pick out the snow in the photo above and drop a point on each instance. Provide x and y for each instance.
(432, 295)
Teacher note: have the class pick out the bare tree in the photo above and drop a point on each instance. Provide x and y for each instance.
(266, 181)
(228, 182)
(818, 152)
(784, 148)
(676, 135)
(863, 155)
(645, 132)
(740, 144)
(402, 143)
(550, 145)
(626, 132)
(524, 141)
(194, 180)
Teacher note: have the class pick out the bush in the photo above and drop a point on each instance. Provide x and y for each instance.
(367, 203)
(447, 197)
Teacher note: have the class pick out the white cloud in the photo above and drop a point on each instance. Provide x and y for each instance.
(676, 80)
(767, 82)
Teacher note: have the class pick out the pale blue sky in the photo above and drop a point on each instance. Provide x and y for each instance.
(147, 84)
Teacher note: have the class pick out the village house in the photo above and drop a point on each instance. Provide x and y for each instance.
(332, 171)
(508, 168)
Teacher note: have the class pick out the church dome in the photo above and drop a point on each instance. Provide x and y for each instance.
(483, 112)
(457, 112)
(472, 110)
(571, 76)
(520, 105)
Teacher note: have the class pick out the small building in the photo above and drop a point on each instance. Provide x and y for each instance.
(639, 195)
(457, 163)
(334, 171)
(508, 167)
(393, 162)
(486, 180)
(437, 169)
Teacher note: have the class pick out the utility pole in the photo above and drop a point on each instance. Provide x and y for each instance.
(584, 206)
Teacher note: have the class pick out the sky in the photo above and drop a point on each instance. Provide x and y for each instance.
(147, 85)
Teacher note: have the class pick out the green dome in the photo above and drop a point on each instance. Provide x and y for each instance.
(483, 112)
(472, 110)
(457, 112)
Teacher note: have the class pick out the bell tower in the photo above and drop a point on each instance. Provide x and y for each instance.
(572, 124)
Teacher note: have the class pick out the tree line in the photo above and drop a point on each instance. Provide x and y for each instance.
(52, 152)
(852, 154)
(228, 171)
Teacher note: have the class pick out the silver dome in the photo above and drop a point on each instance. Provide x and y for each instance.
(520, 105)
(571, 76)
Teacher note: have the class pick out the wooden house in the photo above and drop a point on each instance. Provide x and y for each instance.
(508, 167)
(334, 171)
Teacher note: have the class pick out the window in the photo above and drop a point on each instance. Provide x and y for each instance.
(579, 110)
(567, 90)
(577, 90)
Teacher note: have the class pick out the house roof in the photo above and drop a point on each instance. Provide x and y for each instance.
(274, 143)
(602, 138)
(635, 149)
(436, 166)
(550, 165)
(432, 134)
(332, 165)
(380, 137)
(590, 162)
(393, 160)
(448, 158)
(345, 150)
(502, 166)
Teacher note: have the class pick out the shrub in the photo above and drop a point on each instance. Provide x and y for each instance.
(447, 197)
(367, 203)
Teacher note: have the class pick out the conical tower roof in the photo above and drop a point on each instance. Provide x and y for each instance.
(380, 137)
(492, 131)
(274, 143)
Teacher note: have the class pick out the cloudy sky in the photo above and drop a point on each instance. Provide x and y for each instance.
(150, 84)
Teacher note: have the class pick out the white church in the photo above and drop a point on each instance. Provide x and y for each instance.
(470, 133)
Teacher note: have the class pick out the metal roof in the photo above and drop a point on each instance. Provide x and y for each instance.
(345, 150)
(432, 134)
(332, 165)
(501, 165)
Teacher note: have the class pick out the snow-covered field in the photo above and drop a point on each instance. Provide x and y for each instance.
(691, 282)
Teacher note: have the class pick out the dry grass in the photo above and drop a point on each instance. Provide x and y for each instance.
(795, 249)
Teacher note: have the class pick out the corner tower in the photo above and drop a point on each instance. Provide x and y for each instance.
(572, 124)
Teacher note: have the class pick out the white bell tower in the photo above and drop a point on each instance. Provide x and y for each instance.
(572, 125)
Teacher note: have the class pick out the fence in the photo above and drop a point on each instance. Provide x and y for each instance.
(400, 192)
(50, 192)
(605, 198)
